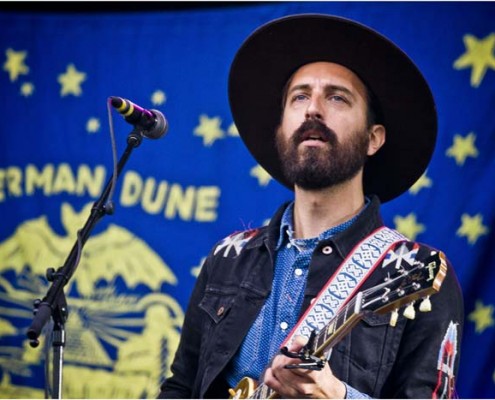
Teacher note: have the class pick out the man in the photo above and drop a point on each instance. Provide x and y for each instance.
(339, 114)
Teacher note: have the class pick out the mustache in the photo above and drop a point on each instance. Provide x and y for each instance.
(314, 126)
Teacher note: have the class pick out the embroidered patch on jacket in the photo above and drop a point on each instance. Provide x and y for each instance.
(235, 242)
(399, 254)
(445, 388)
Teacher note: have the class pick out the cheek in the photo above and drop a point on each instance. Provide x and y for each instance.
(347, 125)
(290, 123)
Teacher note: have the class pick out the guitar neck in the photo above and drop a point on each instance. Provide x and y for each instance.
(350, 314)
(338, 327)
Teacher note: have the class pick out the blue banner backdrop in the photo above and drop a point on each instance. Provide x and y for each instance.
(180, 194)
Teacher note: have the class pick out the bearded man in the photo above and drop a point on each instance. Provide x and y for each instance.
(300, 308)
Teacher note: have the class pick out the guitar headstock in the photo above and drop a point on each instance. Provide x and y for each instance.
(406, 285)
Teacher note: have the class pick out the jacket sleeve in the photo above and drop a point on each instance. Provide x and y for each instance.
(427, 361)
(180, 384)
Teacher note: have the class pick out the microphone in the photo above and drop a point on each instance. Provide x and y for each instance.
(152, 122)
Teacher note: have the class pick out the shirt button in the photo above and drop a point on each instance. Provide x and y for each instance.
(289, 245)
(220, 311)
(298, 272)
(327, 250)
(284, 325)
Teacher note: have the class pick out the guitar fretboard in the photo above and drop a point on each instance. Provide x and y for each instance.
(338, 326)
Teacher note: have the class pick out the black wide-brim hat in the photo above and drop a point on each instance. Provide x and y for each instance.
(272, 53)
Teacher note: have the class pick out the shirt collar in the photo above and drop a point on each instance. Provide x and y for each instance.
(286, 233)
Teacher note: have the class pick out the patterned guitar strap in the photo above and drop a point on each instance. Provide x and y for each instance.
(345, 282)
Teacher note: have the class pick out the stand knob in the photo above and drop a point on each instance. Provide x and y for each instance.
(50, 274)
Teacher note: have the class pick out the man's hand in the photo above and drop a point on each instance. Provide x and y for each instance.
(302, 383)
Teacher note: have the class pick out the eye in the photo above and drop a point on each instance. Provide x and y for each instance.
(338, 98)
(298, 97)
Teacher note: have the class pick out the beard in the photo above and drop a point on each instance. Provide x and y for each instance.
(316, 168)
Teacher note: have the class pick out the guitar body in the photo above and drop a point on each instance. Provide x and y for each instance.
(244, 389)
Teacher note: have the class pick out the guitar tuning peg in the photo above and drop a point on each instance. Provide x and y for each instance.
(393, 317)
(425, 305)
(410, 312)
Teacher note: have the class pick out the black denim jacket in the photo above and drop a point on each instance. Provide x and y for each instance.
(375, 358)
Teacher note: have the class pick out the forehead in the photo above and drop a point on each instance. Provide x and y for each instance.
(327, 73)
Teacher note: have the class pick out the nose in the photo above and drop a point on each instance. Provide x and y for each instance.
(314, 109)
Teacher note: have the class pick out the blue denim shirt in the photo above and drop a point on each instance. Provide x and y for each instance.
(374, 358)
(279, 314)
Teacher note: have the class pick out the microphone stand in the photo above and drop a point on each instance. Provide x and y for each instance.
(54, 304)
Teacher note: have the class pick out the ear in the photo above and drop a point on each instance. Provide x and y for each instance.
(377, 138)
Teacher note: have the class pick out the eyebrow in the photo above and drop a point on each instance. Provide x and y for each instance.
(328, 89)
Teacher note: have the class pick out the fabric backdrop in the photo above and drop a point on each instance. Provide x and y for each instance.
(179, 194)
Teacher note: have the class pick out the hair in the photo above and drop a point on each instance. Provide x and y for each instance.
(374, 113)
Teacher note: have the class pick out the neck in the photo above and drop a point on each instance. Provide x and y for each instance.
(315, 211)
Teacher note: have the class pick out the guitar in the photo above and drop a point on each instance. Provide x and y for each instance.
(404, 287)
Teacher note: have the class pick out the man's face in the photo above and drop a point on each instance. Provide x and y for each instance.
(323, 138)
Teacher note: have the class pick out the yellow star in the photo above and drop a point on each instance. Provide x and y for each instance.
(479, 55)
(422, 182)
(209, 129)
(232, 131)
(27, 89)
(195, 270)
(158, 98)
(482, 317)
(15, 64)
(259, 173)
(472, 227)
(408, 226)
(93, 125)
(462, 148)
(71, 81)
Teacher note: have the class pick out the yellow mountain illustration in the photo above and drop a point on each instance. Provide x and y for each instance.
(84, 346)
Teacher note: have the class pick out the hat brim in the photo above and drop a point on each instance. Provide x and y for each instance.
(271, 54)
